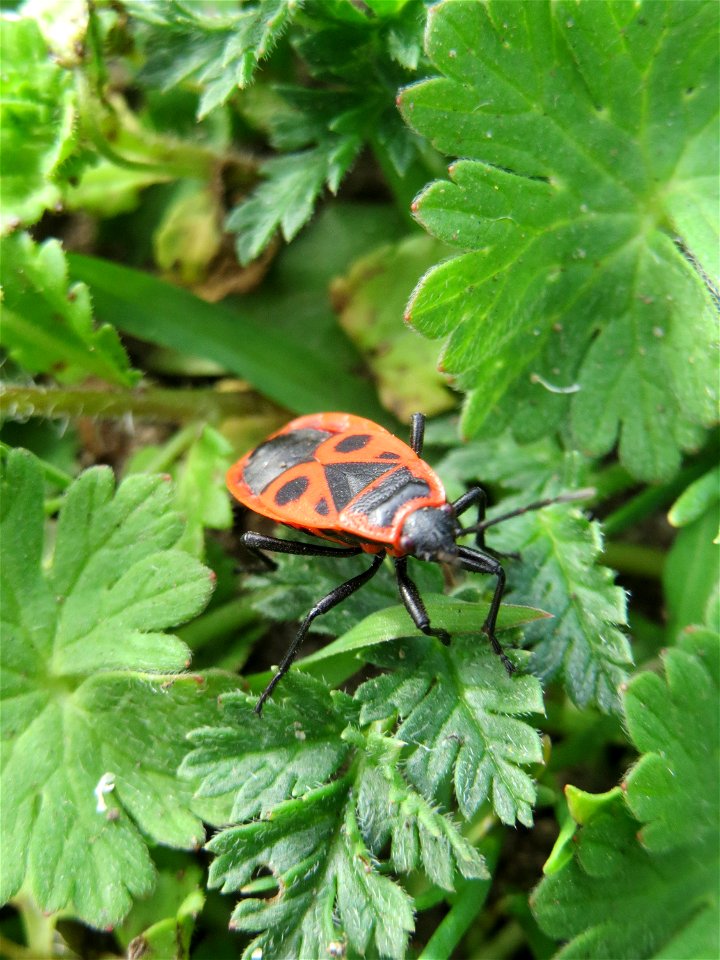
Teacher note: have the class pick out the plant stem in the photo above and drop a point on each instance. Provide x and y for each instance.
(153, 403)
(222, 621)
(455, 924)
(39, 929)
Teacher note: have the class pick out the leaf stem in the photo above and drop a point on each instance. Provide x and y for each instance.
(153, 403)
(634, 558)
(653, 498)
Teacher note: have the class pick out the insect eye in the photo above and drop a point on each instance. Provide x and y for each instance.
(406, 543)
(447, 508)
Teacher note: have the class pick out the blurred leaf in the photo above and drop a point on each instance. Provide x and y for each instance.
(218, 49)
(370, 299)
(652, 892)
(189, 235)
(37, 118)
(288, 372)
(63, 24)
(201, 497)
(46, 325)
(699, 497)
(588, 211)
(84, 657)
(692, 570)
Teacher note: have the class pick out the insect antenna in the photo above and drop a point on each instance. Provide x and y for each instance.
(585, 494)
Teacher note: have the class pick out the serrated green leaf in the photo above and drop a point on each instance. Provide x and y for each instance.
(37, 117)
(47, 324)
(575, 291)
(637, 891)
(287, 197)
(320, 840)
(217, 49)
(460, 719)
(82, 660)
(560, 572)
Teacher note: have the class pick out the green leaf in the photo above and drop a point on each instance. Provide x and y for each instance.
(37, 124)
(92, 720)
(653, 892)
(369, 301)
(217, 50)
(589, 149)
(691, 574)
(460, 719)
(47, 325)
(559, 568)
(329, 796)
(694, 501)
(201, 497)
(287, 197)
(560, 572)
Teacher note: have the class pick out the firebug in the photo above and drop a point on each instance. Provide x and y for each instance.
(348, 480)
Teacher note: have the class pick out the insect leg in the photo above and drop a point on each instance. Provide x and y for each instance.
(322, 606)
(414, 603)
(255, 542)
(478, 562)
(417, 433)
(475, 495)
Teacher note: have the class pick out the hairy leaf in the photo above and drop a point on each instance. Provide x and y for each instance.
(47, 325)
(329, 795)
(460, 717)
(652, 892)
(217, 49)
(93, 710)
(585, 198)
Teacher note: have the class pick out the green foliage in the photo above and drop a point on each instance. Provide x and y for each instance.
(384, 805)
(37, 114)
(47, 325)
(643, 882)
(84, 656)
(587, 222)
(321, 830)
(217, 51)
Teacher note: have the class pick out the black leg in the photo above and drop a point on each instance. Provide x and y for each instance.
(255, 542)
(478, 562)
(417, 433)
(414, 603)
(322, 606)
(476, 495)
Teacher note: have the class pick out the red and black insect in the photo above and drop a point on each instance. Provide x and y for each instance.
(348, 480)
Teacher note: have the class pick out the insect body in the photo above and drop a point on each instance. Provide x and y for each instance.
(348, 480)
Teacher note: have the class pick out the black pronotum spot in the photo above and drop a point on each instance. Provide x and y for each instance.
(356, 442)
(291, 491)
(388, 455)
(346, 480)
(380, 504)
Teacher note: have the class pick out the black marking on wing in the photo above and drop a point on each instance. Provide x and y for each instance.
(388, 455)
(322, 507)
(380, 504)
(346, 480)
(291, 491)
(356, 442)
(275, 456)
